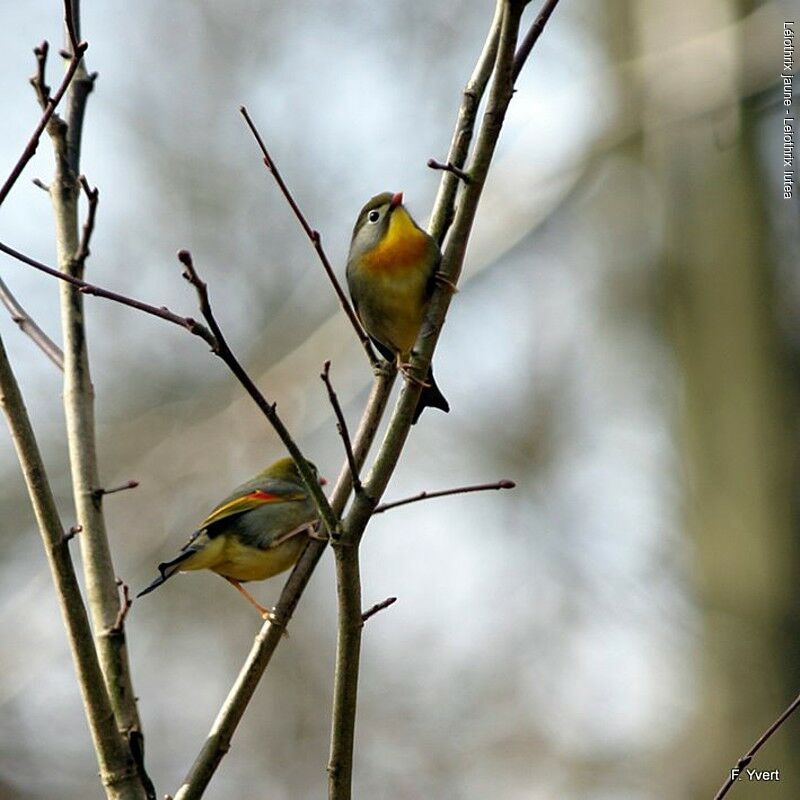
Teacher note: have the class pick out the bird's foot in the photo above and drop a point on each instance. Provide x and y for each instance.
(442, 280)
(269, 615)
(406, 368)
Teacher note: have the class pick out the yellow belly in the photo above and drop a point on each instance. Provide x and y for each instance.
(228, 557)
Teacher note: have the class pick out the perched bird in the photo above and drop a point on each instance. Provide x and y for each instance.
(256, 532)
(391, 270)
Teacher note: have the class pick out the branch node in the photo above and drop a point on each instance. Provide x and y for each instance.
(450, 167)
(71, 533)
(124, 607)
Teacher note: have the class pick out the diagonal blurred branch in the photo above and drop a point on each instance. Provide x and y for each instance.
(29, 327)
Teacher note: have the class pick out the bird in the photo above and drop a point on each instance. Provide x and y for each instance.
(257, 531)
(392, 268)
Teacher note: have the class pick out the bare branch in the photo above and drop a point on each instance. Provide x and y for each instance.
(218, 741)
(449, 167)
(162, 312)
(532, 36)
(480, 487)
(371, 612)
(444, 206)
(315, 238)
(29, 327)
(117, 770)
(124, 607)
(92, 196)
(98, 493)
(760, 742)
(498, 55)
(223, 351)
(341, 426)
(52, 103)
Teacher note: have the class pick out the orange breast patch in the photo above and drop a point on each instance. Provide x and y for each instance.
(402, 248)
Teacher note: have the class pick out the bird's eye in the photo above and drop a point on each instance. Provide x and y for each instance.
(374, 215)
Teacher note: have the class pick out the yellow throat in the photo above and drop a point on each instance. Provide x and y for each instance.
(402, 247)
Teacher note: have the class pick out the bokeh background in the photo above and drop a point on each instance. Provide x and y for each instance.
(625, 346)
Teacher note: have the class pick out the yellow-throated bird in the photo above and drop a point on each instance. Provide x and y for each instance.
(391, 270)
(256, 532)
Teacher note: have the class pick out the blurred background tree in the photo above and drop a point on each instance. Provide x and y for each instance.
(625, 346)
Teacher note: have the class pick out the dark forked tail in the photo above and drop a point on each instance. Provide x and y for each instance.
(167, 570)
(430, 396)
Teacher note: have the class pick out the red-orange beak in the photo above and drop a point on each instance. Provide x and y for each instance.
(397, 200)
(323, 482)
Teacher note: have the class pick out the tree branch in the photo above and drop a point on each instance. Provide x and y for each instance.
(117, 769)
(341, 426)
(373, 610)
(29, 327)
(760, 742)
(78, 395)
(223, 351)
(532, 36)
(498, 51)
(481, 487)
(78, 49)
(315, 238)
(162, 312)
(218, 741)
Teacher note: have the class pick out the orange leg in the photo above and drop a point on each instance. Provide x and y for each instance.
(265, 612)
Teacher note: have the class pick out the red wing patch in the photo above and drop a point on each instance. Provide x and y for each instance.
(264, 497)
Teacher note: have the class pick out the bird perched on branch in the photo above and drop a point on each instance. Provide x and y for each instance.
(391, 270)
(256, 532)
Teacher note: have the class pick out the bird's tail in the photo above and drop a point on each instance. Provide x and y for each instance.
(431, 396)
(167, 570)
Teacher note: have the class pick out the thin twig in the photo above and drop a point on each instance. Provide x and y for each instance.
(314, 237)
(531, 37)
(223, 351)
(162, 312)
(341, 426)
(93, 197)
(29, 327)
(449, 167)
(98, 493)
(124, 607)
(760, 742)
(480, 487)
(371, 612)
(52, 103)
(39, 80)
